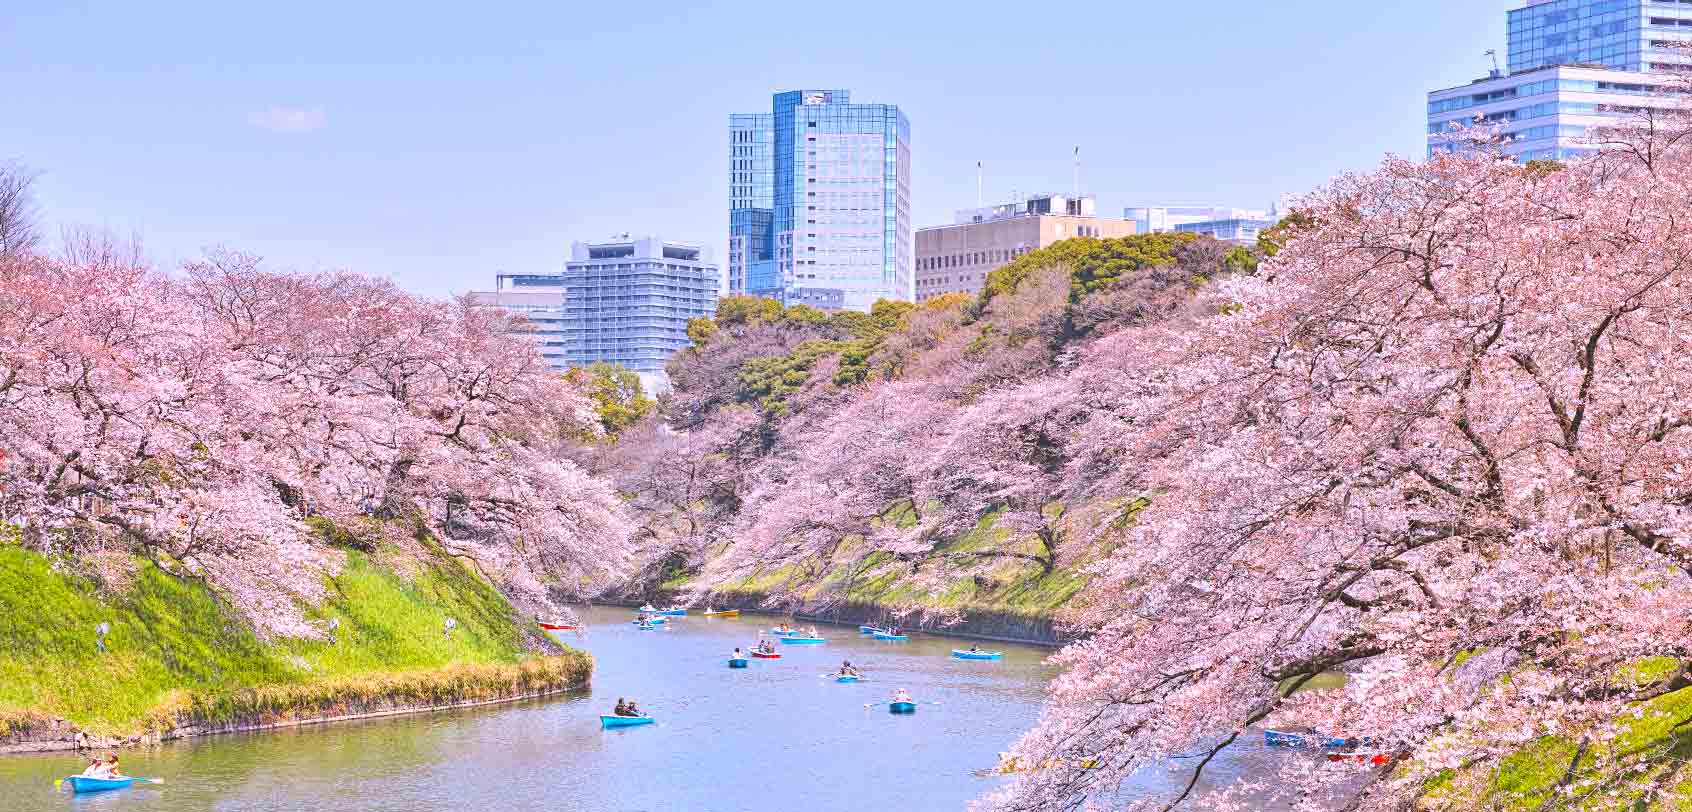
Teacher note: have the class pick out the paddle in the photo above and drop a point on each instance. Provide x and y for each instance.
(873, 704)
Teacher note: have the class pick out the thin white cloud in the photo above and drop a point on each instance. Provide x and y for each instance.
(289, 119)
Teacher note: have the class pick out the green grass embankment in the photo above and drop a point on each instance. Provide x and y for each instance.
(177, 653)
(987, 570)
(1645, 767)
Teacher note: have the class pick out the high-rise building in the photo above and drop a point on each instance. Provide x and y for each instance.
(819, 201)
(1572, 65)
(539, 299)
(957, 258)
(628, 300)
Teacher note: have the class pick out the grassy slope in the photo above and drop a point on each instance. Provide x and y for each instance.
(174, 648)
(1655, 747)
(945, 582)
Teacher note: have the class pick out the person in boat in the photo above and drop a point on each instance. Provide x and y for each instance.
(901, 695)
(622, 708)
(737, 655)
(104, 768)
(812, 632)
(974, 649)
(96, 767)
(632, 709)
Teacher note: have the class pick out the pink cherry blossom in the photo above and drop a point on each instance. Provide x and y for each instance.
(200, 420)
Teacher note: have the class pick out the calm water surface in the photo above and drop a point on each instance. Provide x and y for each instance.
(775, 736)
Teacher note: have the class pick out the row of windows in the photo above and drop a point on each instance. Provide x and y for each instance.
(1535, 111)
(1548, 86)
(1566, 11)
(970, 258)
(938, 281)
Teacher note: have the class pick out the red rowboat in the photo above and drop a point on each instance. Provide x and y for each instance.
(766, 655)
(1372, 759)
(559, 627)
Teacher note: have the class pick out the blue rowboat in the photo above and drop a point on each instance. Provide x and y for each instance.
(846, 678)
(672, 612)
(624, 721)
(868, 630)
(976, 655)
(737, 662)
(901, 707)
(653, 621)
(889, 636)
(1278, 738)
(802, 641)
(83, 783)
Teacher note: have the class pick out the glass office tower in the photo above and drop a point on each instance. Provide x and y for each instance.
(819, 202)
(1630, 35)
(1574, 66)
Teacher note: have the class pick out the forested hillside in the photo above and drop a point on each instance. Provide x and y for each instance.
(932, 459)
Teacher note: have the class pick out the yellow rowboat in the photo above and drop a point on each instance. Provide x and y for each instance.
(724, 613)
(1010, 765)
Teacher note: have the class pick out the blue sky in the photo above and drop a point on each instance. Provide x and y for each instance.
(440, 143)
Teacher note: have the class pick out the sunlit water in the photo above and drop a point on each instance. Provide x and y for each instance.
(774, 736)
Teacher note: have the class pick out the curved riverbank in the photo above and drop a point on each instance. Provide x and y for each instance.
(1034, 629)
(280, 707)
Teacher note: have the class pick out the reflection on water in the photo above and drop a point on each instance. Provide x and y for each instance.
(774, 736)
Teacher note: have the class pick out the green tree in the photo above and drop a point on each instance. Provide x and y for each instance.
(734, 311)
(701, 330)
(616, 393)
(804, 314)
(1274, 238)
(1095, 263)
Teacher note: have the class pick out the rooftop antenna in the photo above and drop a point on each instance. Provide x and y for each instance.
(1077, 188)
(1495, 71)
(978, 184)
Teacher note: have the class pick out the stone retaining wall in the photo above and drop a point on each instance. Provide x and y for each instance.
(58, 734)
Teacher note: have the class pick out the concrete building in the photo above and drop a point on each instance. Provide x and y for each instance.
(819, 201)
(1573, 65)
(628, 300)
(539, 299)
(957, 258)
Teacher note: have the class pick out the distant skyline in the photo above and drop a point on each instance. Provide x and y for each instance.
(439, 149)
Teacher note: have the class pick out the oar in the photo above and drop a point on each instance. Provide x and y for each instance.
(873, 704)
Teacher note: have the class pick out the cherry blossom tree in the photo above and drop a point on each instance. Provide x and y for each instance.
(1446, 425)
(201, 420)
